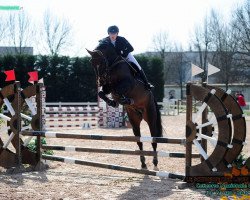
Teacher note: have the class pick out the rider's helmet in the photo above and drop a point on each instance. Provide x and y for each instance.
(113, 29)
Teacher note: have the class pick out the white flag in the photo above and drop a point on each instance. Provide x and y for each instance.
(41, 81)
(211, 69)
(196, 70)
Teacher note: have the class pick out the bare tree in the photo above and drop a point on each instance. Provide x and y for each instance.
(2, 29)
(56, 33)
(20, 31)
(225, 46)
(202, 43)
(178, 62)
(241, 26)
(162, 45)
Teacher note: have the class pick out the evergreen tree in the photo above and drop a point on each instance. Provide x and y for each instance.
(71, 79)
(153, 68)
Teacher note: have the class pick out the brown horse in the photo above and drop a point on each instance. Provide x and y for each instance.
(117, 77)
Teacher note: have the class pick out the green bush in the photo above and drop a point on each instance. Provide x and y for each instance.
(33, 144)
(71, 79)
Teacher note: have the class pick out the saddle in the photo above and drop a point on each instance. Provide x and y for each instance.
(132, 66)
(138, 74)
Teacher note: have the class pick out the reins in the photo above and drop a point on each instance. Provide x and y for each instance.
(105, 77)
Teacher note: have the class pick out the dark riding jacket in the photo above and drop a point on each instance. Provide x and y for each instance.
(122, 46)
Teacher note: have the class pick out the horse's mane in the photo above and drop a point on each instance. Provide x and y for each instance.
(103, 44)
(106, 48)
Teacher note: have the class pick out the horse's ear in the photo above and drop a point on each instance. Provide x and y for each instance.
(90, 52)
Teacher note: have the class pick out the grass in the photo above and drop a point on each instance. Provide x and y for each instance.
(247, 112)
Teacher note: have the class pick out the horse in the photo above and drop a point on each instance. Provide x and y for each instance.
(116, 76)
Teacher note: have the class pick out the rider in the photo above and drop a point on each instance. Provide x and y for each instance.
(124, 49)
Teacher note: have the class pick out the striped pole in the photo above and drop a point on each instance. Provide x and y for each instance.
(118, 151)
(72, 109)
(72, 115)
(105, 137)
(113, 167)
(68, 125)
(71, 120)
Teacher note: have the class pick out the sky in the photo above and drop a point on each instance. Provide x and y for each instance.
(138, 20)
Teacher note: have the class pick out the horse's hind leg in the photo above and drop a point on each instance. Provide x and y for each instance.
(135, 119)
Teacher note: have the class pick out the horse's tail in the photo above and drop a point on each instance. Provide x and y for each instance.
(158, 120)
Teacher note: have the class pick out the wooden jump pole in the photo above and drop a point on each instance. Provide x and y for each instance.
(118, 151)
(17, 88)
(41, 133)
(37, 122)
(113, 167)
(188, 118)
(50, 134)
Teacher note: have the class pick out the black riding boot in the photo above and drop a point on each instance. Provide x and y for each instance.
(145, 80)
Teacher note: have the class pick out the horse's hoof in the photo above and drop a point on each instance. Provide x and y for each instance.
(156, 168)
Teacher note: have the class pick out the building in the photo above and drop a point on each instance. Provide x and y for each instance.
(243, 88)
(178, 67)
(178, 73)
(15, 50)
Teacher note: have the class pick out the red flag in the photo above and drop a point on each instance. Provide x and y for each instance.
(10, 75)
(33, 76)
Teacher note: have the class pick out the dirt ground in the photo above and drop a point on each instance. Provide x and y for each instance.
(71, 181)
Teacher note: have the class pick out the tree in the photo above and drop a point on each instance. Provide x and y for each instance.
(241, 26)
(161, 45)
(2, 29)
(178, 63)
(202, 43)
(153, 68)
(20, 31)
(56, 33)
(157, 78)
(67, 79)
(181, 64)
(225, 46)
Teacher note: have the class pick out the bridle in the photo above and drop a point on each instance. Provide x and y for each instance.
(100, 79)
(101, 57)
(104, 78)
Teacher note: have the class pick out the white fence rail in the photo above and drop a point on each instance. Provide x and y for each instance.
(62, 104)
(168, 107)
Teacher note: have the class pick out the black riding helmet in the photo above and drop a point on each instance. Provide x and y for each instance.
(113, 29)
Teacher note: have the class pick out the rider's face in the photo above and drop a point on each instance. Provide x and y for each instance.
(113, 36)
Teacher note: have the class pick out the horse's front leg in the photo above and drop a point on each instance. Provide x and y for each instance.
(110, 102)
(155, 159)
(135, 119)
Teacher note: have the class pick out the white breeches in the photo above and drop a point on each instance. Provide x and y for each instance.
(132, 59)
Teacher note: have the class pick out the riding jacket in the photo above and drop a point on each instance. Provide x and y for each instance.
(122, 46)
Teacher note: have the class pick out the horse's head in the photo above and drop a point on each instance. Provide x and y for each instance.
(100, 64)
(101, 58)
